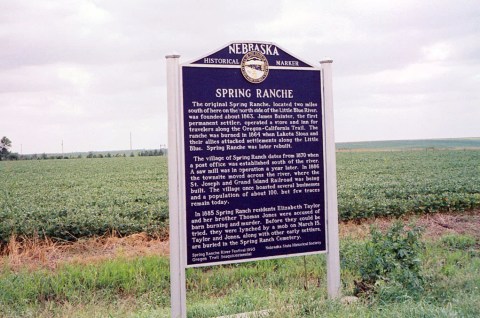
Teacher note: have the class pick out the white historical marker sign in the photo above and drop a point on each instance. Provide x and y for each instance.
(251, 161)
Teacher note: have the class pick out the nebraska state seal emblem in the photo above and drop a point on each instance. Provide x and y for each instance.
(254, 67)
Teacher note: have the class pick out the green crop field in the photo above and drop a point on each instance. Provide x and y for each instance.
(395, 183)
(69, 199)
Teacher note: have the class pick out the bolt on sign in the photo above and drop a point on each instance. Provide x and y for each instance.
(250, 135)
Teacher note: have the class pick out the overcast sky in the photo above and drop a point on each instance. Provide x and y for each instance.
(91, 72)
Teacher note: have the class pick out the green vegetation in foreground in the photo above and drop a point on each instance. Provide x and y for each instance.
(68, 199)
(140, 288)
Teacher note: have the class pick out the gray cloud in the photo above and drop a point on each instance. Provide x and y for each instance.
(91, 72)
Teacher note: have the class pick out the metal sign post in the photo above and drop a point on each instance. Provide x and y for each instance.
(251, 161)
(333, 254)
(177, 266)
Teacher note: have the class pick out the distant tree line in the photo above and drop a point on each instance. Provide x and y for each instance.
(6, 144)
(43, 156)
(108, 155)
(150, 153)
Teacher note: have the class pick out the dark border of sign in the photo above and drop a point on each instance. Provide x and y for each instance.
(181, 162)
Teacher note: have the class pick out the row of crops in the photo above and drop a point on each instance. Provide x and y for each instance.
(395, 183)
(70, 199)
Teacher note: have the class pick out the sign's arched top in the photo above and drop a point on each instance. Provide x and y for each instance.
(234, 53)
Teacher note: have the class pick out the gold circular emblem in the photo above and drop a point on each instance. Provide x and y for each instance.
(254, 67)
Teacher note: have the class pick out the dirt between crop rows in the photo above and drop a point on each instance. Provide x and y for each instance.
(33, 254)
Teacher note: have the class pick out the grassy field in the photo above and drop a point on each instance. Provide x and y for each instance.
(395, 183)
(70, 199)
(139, 287)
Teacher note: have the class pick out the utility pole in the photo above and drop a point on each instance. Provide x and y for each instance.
(130, 141)
(62, 148)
